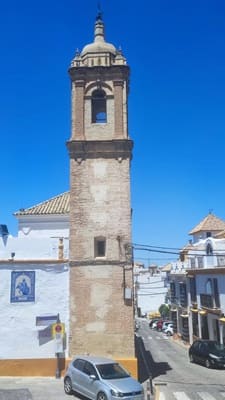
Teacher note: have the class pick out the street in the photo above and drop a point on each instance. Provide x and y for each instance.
(165, 360)
(173, 375)
(19, 388)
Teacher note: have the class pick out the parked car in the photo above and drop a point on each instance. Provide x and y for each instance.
(153, 321)
(159, 325)
(165, 324)
(169, 330)
(136, 325)
(99, 378)
(207, 352)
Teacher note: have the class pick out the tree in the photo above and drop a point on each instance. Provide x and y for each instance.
(164, 310)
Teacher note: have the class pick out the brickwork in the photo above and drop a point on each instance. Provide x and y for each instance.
(78, 110)
(101, 311)
(118, 114)
(100, 201)
(104, 323)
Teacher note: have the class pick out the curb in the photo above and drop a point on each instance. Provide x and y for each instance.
(157, 393)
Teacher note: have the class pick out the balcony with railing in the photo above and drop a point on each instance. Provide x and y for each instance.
(206, 261)
(209, 301)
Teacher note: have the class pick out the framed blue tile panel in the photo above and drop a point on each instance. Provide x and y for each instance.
(22, 286)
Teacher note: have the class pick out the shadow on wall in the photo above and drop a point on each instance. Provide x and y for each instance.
(147, 367)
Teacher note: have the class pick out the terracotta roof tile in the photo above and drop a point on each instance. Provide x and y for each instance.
(56, 205)
(209, 223)
(166, 268)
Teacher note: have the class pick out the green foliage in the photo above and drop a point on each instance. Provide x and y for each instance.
(164, 310)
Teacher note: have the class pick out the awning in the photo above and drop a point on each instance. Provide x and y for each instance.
(222, 319)
(202, 312)
(195, 310)
(184, 315)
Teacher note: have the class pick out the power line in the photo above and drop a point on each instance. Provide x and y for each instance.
(156, 247)
(154, 250)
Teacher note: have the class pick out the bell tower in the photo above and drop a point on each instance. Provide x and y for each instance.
(100, 151)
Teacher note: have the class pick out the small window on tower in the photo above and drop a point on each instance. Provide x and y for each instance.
(100, 247)
(98, 104)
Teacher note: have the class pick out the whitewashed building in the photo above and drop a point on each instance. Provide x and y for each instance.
(150, 289)
(197, 283)
(34, 282)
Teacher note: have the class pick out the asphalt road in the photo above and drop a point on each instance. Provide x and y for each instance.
(174, 376)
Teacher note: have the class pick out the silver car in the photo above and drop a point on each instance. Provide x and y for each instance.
(99, 378)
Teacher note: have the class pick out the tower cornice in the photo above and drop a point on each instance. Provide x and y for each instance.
(112, 72)
(117, 149)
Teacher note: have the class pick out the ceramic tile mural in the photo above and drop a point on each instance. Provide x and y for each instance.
(22, 286)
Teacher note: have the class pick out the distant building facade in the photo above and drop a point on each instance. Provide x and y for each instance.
(197, 284)
(150, 288)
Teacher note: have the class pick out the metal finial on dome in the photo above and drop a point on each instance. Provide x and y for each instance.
(99, 15)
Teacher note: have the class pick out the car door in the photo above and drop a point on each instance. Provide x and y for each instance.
(89, 384)
(77, 374)
(202, 352)
(197, 351)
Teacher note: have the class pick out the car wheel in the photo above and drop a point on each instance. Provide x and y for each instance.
(68, 386)
(169, 333)
(101, 396)
(207, 363)
(191, 358)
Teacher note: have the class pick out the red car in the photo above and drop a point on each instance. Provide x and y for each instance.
(159, 325)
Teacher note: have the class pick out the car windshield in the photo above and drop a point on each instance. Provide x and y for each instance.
(216, 347)
(111, 371)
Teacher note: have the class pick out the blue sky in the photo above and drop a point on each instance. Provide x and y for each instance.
(176, 107)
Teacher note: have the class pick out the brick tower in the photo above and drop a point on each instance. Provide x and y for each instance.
(101, 305)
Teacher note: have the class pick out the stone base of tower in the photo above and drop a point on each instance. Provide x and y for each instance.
(101, 318)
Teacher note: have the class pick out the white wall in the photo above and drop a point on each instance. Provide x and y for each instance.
(19, 333)
(43, 226)
(31, 248)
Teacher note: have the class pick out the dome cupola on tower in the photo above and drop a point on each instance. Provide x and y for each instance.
(99, 52)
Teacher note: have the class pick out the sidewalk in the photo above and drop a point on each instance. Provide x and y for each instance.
(34, 388)
(39, 388)
(180, 342)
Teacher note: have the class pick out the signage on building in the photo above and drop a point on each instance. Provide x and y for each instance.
(58, 329)
(44, 320)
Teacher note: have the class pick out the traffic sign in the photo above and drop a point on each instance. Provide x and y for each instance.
(58, 328)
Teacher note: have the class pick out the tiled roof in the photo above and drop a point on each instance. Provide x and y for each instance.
(187, 247)
(56, 205)
(166, 268)
(209, 223)
(220, 235)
